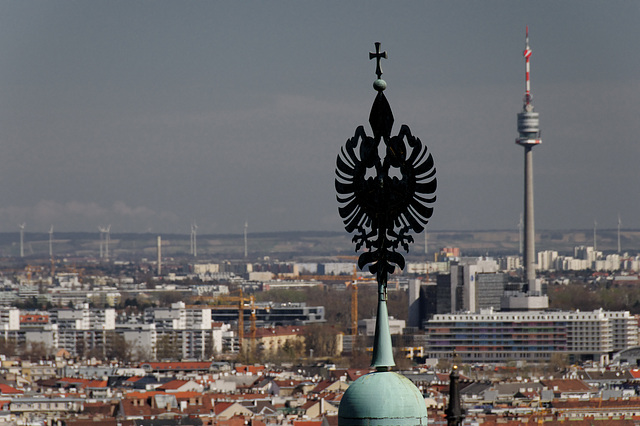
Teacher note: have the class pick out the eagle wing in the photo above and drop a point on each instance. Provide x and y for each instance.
(412, 194)
(357, 193)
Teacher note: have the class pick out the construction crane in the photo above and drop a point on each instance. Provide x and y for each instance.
(354, 308)
(354, 298)
(241, 301)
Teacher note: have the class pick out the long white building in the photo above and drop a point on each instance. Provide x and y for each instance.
(491, 336)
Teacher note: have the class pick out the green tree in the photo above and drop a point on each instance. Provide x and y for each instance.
(36, 351)
(118, 347)
(322, 339)
(168, 347)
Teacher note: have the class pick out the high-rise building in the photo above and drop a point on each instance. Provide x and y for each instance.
(458, 290)
(490, 288)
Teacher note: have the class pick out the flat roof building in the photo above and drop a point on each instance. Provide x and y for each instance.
(491, 336)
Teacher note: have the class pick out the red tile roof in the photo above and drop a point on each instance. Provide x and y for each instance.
(635, 373)
(307, 422)
(174, 384)
(566, 385)
(254, 369)
(219, 407)
(34, 319)
(9, 390)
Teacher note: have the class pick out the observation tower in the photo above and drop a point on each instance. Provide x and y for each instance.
(529, 137)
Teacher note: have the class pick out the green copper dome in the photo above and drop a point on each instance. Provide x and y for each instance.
(383, 398)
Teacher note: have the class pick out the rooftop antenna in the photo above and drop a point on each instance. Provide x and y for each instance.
(595, 241)
(619, 225)
(246, 251)
(21, 226)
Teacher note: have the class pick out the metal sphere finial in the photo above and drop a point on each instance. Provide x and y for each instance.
(379, 85)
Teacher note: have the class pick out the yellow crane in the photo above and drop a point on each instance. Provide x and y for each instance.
(240, 302)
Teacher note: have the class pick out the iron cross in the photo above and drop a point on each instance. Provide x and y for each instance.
(378, 55)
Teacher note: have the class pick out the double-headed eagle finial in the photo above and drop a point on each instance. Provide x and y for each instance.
(383, 199)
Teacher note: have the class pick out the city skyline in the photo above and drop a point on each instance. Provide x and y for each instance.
(150, 119)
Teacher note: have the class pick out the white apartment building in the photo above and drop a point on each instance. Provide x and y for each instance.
(547, 260)
(142, 338)
(83, 329)
(584, 258)
(9, 319)
(188, 328)
(46, 335)
(511, 263)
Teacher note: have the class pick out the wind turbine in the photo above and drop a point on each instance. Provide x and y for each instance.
(21, 226)
(194, 242)
(104, 239)
(102, 230)
(51, 241)
(246, 225)
(619, 224)
(191, 240)
(108, 231)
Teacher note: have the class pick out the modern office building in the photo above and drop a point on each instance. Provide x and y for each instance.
(491, 336)
(472, 284)
(271, 314)
(490, 289)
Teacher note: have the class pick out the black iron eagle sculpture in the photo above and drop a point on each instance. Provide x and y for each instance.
(383, 199)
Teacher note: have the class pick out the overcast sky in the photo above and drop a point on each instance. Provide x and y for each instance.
(149, 115)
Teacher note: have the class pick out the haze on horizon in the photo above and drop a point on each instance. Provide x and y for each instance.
(151, 115)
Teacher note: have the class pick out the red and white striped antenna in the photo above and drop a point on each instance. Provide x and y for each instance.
(527, 55)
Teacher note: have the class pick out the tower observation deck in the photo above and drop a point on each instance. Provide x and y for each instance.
(528, 119)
